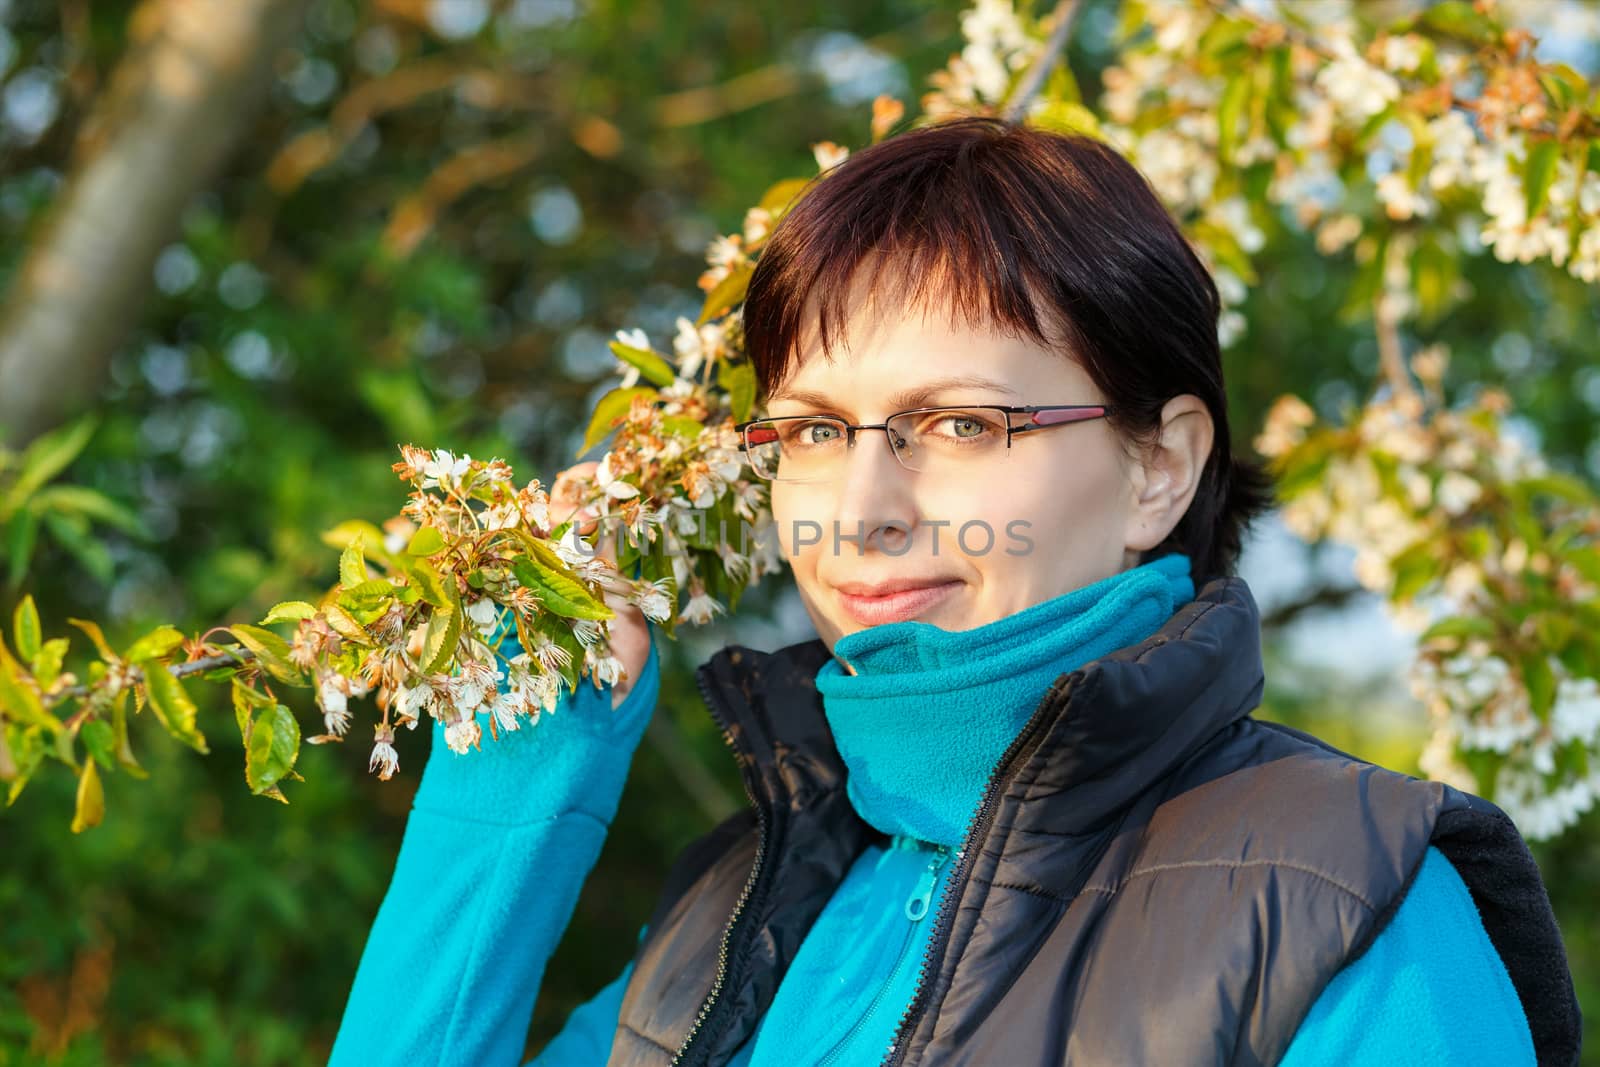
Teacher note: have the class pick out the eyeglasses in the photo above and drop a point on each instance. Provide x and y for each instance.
(812, 448)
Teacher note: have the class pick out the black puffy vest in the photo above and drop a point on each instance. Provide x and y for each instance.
(1153, 876)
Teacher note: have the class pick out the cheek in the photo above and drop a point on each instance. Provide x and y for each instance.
(1064, 502)
(794, 515)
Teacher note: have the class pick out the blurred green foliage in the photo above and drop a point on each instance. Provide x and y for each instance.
(287, 346)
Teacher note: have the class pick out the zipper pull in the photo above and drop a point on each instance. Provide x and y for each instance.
(922, 896)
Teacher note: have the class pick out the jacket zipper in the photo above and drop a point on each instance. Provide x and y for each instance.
(714, 706)
(915, 911)
(980, 821)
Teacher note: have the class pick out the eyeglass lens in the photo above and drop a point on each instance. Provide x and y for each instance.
(945, 440)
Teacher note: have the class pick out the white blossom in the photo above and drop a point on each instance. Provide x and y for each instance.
(333, 700)
(1355, 86)
(384, 758)
(444, 468)
(654, 600)
(485, 615)
(463, 734)
(701, 608)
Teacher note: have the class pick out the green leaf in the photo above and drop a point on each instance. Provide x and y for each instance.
(272, 749)
(350, 531)
(45, 458)
(440, 637)
(18, 699)
(558, 590)
(65, 750)
(91, 806)
(367, 594)
(728, 292)
(1565, 86)
(739, 379)
(1225, 37)
(425, 542)
(400, 400)
(160, 642)
(22, 534)
(1458, 626)
(1538, 171)
(1585, 559)
(1554, 629)
(289, 609)
(429, 582)
(47, 664)
(352, 566)
(1541, 683)
(346, 625)
(1564, 486)
(119, 728)
(271, 651)
(683, 426)
(100, 740)
(172, 705)
(93, 630)
(611, 409)
(1235, 95)
(652, 368)
(1414, 569)
(27, 752)
(25, 626)
(1434, 273)
(245, 702)
(73, 534)
(781, 196)
(1459, 18)
(92, 504)
(1065, 116)
(1485, 767)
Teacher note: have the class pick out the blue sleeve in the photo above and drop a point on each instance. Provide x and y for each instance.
(495, 851)
(1430, 990)
(585, 1039)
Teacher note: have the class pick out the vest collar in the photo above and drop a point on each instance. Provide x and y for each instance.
(1111, 728)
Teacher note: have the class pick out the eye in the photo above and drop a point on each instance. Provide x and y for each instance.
(818, 433)
(963, 426)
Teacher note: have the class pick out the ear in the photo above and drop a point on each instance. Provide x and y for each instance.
(1167, 474)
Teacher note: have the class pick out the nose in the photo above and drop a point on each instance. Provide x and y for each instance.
(876, 502)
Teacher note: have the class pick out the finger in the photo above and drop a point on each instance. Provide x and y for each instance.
(568, 491)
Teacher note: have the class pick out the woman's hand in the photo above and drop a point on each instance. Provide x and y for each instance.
(630, 632)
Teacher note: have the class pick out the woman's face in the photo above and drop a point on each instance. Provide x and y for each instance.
(1065, 507)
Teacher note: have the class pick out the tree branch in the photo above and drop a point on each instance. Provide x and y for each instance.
(1033, 81)
(183, 95)
(1391, 354)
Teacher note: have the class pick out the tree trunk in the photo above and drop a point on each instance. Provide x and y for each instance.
(175, 106)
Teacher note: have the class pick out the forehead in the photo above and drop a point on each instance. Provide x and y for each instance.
(895, 336)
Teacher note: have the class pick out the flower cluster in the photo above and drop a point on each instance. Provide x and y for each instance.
(1492, 558)
(999, 45)
(1446, 120)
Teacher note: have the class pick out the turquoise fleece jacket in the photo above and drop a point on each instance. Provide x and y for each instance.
(490, 869)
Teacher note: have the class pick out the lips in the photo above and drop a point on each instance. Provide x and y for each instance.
(890, 585)
(894, 599)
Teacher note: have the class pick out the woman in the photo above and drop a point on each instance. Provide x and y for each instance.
(1009, 807)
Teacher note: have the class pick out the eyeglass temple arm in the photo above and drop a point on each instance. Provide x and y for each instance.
(1054, 414)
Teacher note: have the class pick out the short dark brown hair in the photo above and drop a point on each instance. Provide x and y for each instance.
(1050, 236)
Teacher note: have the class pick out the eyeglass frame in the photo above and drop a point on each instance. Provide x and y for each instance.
(1033, 410)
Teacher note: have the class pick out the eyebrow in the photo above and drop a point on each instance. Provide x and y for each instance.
(918, 396)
